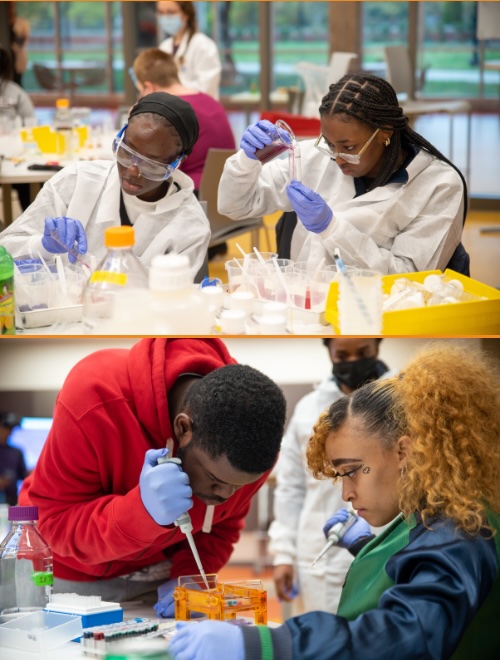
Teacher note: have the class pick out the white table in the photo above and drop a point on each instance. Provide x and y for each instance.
(14, 166)
(72, 650)
(251, 101)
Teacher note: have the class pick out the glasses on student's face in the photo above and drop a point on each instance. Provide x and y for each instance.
(149, 169)
(322, 145)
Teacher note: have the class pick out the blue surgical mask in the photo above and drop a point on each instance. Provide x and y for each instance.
(170, 24)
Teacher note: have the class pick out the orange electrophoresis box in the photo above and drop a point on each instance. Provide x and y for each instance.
(222, 601)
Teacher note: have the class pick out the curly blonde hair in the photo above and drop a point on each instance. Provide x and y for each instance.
(447, 400)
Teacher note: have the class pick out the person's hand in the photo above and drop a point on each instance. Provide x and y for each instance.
(165, 607)
(69, 232)
(257, 136)
(165, 489)
(311, 208)
(354, 533)
(207, 640)
(283, 582)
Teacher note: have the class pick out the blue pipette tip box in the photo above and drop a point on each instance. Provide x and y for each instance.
(92, 615)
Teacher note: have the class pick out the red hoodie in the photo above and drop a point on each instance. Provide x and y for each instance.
(111, 409)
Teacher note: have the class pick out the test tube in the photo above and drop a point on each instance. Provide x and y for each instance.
(294, 163)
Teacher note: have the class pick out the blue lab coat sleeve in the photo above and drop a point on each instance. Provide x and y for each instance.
(442, 582)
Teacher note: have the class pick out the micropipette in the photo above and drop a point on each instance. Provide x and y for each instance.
(184, 523)
(72, 250)
(336, 533)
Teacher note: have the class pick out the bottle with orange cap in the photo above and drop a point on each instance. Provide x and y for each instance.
(119, 270)
(63, 126)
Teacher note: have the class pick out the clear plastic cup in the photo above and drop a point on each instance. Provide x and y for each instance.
(319, 286)
(31, 287)
(283, 140)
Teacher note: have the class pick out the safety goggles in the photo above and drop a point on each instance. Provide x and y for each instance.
(149, 169)
(322, 145)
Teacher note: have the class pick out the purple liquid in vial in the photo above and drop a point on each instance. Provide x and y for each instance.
(270, 151)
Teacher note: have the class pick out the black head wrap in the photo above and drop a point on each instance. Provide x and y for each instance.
(177, 111)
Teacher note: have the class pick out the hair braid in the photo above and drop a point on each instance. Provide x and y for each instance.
(373, 101)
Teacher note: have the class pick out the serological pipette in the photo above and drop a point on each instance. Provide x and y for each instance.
(71, 250)
(184, 523)
(336, 533)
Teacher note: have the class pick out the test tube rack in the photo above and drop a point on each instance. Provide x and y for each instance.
(223, 601)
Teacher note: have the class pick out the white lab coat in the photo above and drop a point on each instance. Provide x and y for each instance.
(14, 102)
(89, 191)
(396, 228)
(303, 504)
(198, 62)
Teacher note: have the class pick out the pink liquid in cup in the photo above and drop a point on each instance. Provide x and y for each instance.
(270, 151)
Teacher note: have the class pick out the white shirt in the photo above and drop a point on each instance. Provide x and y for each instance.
(396, 228)
(89, 191)
(198, 62)
(14, 102)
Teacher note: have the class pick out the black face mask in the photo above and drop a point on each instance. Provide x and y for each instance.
(356, 373)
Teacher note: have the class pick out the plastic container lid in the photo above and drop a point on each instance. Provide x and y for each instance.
(62, 103)
(232, 321)
(22, 513)
(119, 237)
(170, 272)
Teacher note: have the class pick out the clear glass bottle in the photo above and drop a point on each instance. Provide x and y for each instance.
(25, 565)
(119, 270)
(63, 126)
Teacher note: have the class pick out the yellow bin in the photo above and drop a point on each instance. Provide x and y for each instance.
(475, 317)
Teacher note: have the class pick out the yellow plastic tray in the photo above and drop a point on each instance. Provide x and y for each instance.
(476, 317)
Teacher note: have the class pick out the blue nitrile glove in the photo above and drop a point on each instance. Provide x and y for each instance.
(165, 607)
(165, 489)
(311, 208)
(70, 231)
(256, 136)
(207, 640)
(357, 531)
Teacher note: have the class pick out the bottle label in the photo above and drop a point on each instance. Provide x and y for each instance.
(7, 324)
(112, 278)
(42, 579)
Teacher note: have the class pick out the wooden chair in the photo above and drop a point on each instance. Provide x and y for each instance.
(222, 227)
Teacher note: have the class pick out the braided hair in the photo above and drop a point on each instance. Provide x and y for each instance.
(373, 101)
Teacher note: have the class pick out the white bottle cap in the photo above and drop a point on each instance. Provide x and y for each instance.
(242, 300)
(272, 324)
(214, 294)
(170, 272)
(232, 321)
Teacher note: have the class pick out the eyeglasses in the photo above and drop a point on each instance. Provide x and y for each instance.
(322, 145)
(149, 169)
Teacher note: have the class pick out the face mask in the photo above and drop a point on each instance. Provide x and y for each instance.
(170, 24)
(356, 373)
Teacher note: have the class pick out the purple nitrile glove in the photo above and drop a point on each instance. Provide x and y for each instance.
(165, 489)
(207, 640)
(71, 235)
(358, 530)
(165, 607)
(311, 208)
(257, 136)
